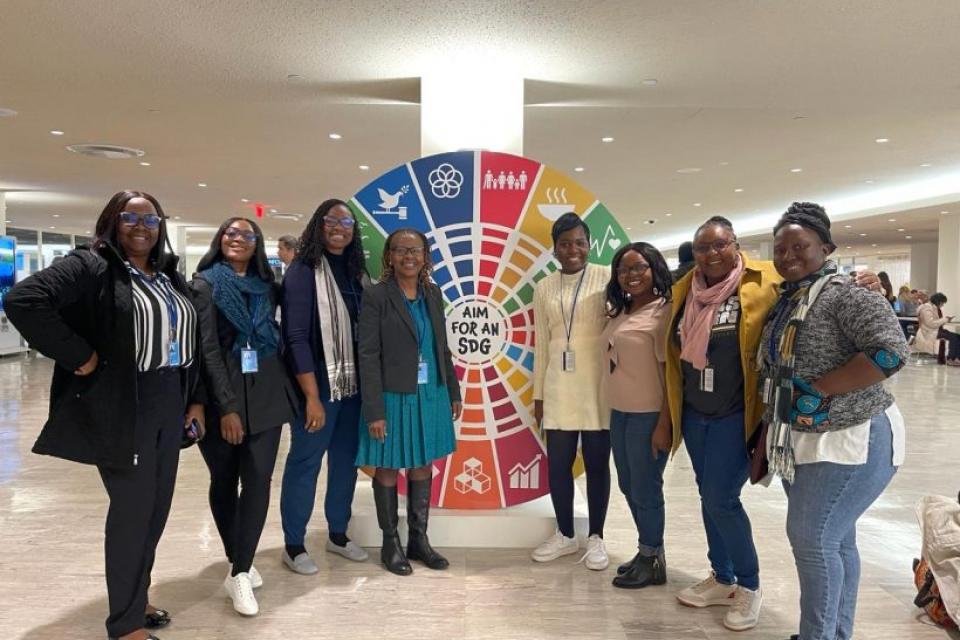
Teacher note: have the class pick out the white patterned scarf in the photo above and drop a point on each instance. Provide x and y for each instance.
(336, 334)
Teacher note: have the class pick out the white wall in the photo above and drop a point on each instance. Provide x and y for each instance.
(948, 263)
(923, 266)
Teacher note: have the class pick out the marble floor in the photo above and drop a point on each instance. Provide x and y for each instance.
(51, 576)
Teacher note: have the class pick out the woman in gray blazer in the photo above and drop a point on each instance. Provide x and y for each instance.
(411, 395)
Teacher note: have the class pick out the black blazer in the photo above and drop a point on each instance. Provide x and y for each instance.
(80, 304)
(265, 399)
(389, 355)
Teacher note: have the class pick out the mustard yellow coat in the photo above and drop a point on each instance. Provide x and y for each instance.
(758, 293)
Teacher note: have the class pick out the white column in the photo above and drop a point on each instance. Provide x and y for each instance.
(923, 265)
(471, 110)
(3, 213)
(948, 262)
(766, 250)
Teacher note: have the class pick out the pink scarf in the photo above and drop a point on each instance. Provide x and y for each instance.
(701, 311)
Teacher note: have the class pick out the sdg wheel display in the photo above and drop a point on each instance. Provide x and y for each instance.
(488, 217)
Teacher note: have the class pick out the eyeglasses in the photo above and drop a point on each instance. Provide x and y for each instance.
(232, 233)
(638, 269)
(407, 251)
(332, 221)
(131, 219)
(717, 246)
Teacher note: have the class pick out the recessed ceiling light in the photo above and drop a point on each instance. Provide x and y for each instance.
(628, 228)
(364, 167)
(201, 184)
(849, 247)
(862, 235)
(891, 220)
(696, 204)
(908, 237)
(578, 169)
(606, 139)
(668, 214)
(335, 136)
(144, 164)
(176, 217)
(927, 164)
(738, 190)
(56, 132)
(882, 140)
(901, 229)
(724, 163)
(56, 215)
(869, 181)
(848, 226)
(689, 170)
(943, 213)
(796, 170)
(53, 227)
(873, 245)
(7, 113)
(273, 210)
(650, 82)
(244, 200)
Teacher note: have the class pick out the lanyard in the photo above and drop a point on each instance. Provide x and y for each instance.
(157, 284)
(421, 326)
(253, 320)
(568, 326)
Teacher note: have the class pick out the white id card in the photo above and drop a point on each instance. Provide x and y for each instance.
(248, 360)
(567, 361)
(423, 375)
(706, 380)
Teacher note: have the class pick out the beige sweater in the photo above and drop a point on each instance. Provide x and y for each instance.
(572, 401)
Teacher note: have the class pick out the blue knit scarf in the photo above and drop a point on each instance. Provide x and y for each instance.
(238, 298)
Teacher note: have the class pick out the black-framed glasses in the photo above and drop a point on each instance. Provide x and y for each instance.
(232, 233)
(332, 221)
(132, 219)
(407, 251)
(718, 246)
(638, 269)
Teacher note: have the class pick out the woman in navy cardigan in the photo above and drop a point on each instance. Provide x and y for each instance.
(322, 290)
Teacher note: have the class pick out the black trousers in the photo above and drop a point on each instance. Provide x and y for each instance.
(140, 498)
(561, 454)
(239, 495)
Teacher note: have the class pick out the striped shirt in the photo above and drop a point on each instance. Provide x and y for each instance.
(154, 298)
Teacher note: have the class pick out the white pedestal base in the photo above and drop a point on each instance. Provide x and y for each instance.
(523, 526)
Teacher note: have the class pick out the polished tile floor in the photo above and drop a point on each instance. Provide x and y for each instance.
(51, 576)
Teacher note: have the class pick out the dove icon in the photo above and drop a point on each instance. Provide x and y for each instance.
(390, 200)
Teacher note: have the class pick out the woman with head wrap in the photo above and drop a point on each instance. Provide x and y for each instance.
(835, 434)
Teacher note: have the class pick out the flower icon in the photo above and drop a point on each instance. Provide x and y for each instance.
(445, 181)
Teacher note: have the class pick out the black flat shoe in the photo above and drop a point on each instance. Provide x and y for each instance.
(622, 569)
(157, 619)
(644, 572)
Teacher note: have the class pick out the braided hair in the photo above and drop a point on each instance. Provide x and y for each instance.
(808, 215)
(312, 241)
(617, 299)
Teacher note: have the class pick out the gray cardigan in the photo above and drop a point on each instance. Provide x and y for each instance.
(388, 351)
(843, 321)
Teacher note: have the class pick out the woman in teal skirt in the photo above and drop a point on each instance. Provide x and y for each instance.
(410, 394)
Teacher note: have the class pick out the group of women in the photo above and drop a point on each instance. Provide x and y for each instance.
(732, 356)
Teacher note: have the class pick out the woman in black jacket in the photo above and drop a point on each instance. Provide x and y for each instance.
(118, 321)
(250, 393)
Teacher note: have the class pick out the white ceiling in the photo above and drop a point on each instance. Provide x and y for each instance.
(746, 90)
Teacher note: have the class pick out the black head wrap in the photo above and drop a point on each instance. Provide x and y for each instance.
(808, 215)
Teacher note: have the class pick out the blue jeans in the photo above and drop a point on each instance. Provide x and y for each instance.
(640, 475)
(339, 439)
(718, 453)
(825, 502)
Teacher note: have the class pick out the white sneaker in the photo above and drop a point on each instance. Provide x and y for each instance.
(256, 580)
(554, 547)
(240, 591)
(350, 551)
(708, 593)
(596, 556)
(745, 610)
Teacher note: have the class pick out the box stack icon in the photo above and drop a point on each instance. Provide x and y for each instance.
(472, 478)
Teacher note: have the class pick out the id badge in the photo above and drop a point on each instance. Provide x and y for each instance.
(173, 355)
(423, 373)
(248, 361)
(567, 361)
(706, 380)
(767, 387)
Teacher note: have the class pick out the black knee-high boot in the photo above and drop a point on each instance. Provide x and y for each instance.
(418, 513)
(391, 553)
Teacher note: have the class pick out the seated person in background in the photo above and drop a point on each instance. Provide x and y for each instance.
(907, 301)
(930, 321)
